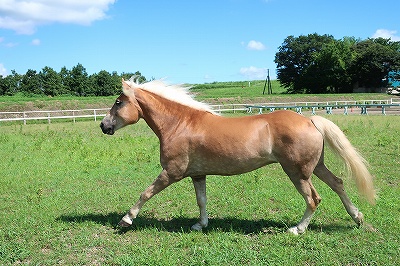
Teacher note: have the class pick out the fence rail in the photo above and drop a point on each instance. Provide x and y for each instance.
(233, 108)
(53, 114)
(328, 108)
(363, 105)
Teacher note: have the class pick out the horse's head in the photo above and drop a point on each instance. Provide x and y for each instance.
(125, 111)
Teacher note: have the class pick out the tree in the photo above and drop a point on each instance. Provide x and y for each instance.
(30, 83)
(75, 82)
(65, 79)
(5, 84)
(321, 64)
(332, 63)
(9, 85)
(104, 84)
(117, 82)
(51, 82)
(295, 58)
(78, 80)
(137, 76)
(373, 61)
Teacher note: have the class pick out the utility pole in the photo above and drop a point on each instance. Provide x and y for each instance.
(267, 83)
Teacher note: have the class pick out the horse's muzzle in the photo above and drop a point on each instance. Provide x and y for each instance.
(107, 129)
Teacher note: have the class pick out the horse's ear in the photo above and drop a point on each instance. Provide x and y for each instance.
(126, 89)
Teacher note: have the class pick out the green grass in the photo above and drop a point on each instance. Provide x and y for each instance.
(23, 103)
(241, 92)
(65, 186)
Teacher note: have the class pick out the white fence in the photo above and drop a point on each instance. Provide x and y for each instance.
(232, 108)
(54, 114)
(395, 101)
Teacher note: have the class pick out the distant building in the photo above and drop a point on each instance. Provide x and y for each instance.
(394, 82)
(394, 79)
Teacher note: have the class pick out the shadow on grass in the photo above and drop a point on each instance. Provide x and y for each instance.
(182, 224)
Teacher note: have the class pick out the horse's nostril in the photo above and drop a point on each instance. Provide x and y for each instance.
(107, 129)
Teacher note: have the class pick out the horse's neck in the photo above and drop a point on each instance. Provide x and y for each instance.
(161, 114)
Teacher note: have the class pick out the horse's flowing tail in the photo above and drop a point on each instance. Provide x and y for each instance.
(355, 163)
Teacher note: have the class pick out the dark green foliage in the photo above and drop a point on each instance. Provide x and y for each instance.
(374, 58)
(321, 64)
(51, 82)
(75, 82)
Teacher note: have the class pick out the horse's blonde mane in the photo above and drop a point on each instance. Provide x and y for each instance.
(177, 93)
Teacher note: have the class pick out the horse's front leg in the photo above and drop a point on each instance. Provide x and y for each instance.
(199, 183)
(161, 182)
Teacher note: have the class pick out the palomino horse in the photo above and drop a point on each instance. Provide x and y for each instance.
(195, 142)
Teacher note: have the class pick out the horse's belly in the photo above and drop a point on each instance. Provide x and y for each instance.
(220, 165)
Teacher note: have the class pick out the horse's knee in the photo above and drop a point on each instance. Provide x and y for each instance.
(317, 199)
(313, 199)
(312, 205)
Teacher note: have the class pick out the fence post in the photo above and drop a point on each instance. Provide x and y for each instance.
(95, 118)
(364, 110)
(48, 119)
(24, 118)
(313, 110)
(73, 115)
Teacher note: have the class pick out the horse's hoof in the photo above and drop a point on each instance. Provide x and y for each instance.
(123, 224)
(294, 230)
(125, 221)
(197, 227)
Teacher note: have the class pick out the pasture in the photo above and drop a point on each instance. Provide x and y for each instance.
(65, 186)
(212, 93)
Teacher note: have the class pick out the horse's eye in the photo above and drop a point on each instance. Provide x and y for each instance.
(118, 102)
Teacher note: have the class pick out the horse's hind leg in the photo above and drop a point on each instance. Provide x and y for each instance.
(336, 184)
(310, 195)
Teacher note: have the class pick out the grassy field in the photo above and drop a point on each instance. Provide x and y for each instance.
(65, 186)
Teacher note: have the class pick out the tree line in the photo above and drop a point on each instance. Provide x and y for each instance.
(321, 64)
(305, 64)
(75, 81)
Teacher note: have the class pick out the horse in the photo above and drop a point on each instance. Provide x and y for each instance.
(195, 142)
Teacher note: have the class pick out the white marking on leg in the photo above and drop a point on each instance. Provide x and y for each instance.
(352, 210)
(127, 219)
(303, 224)
(161, 182)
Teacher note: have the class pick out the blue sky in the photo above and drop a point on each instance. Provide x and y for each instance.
(181, 41)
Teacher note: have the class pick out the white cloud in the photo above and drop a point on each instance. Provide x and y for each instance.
(253, 72)
(208, 77)
(35, 42)
(384, 33)
(24, 16)
(254, 45)
(3, 70)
